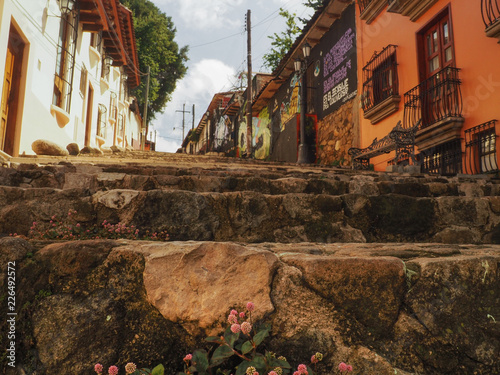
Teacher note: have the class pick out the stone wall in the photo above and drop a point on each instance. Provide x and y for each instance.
(384, 308)
(336, 134)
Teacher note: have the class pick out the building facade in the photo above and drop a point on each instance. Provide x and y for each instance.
(432, 65)
(66, 68)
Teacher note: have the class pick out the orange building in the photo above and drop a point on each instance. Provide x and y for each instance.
(434, 65)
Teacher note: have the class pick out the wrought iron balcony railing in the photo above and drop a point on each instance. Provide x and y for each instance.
(436, 99)
(481, 149)
(490, 10)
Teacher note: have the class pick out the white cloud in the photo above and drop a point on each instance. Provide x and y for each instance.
(165, 145)
(205, 14)
(204, 79)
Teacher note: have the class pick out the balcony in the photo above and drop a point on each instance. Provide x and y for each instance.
(410, 8)
(437, 102)
(490, 10)
(380, 85)
(370, 9)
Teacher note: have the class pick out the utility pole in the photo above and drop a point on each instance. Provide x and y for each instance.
(249, 84)
(192, 128)
(145, 112)
(183, 123)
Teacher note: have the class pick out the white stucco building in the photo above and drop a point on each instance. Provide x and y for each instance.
(66, 68)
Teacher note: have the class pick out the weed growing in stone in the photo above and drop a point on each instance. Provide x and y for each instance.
(69, 229)
(240, 341)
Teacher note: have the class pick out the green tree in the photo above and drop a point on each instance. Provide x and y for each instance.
(156, 48)
(282, 42)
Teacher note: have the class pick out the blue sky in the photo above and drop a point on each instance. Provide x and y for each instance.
(214, 31)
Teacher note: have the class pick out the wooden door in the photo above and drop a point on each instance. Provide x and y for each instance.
(10, 91)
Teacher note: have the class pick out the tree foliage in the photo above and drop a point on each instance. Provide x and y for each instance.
(156, 48)
(282, 42)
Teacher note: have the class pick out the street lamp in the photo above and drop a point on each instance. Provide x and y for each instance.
(66, 6)
(301, 69)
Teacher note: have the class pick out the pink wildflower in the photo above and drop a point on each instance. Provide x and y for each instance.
(235, 328)
(302, 369)
(246, 328)
(113, 370)
(188, 357)
(130, 368)
(242, 315)
(296, 373)
(342, 367)
(98, 368)
(349, 368)
(314, 359)
(272, 373)
(250, 306)
(232, 319)
(234, 312)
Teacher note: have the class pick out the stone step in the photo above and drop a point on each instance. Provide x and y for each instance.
(267, 178)
(250, 216)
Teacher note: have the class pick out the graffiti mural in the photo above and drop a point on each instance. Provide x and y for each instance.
(221, 132)
(261, 134)
(290, 104)
(242, 136)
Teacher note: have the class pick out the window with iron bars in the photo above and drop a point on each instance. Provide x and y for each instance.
(101, 120)
(380, 78)
(480, 148)
(444, 159)
(83, 80)
(65, 60)
(113, 106)
(96, 41)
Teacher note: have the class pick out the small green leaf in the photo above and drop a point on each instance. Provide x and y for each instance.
(230, 337)
(222, 353)
(275, 362)
(259, 362)
(247, 347)
(158, 370)
(200, 360)
(261, 335)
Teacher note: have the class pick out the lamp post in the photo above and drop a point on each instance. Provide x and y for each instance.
(301, 68)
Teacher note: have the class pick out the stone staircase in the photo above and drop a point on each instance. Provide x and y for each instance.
(289, 238)
(223, 199)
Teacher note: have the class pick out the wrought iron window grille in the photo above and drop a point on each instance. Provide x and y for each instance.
(101, 120)
(65, 60)
(480, 148)
(380, 77)
(445, 159)
(113, 106)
